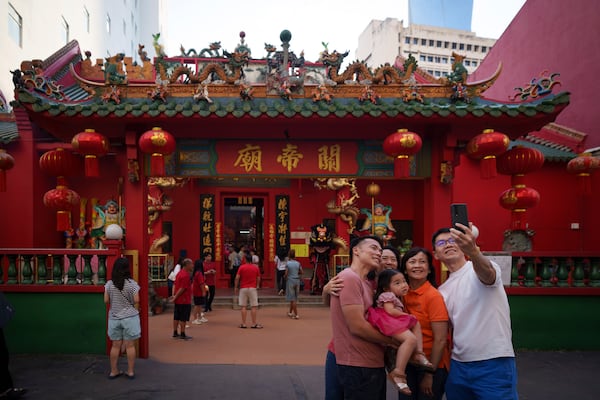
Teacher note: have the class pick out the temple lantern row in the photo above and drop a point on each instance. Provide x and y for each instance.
(517, 162)
(60, 163)
(6, 162)
(158, 143)
(91, 145)
(486, 147)
(400, 145)
(583, 165)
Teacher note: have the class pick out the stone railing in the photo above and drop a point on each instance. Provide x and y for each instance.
(552, 270)
(22, 267)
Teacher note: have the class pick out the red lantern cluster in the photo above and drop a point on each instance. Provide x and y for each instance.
(92, 145)
(583, 165)
(400, 145)
(158, 143)
(486, 147)
(60, 163)
(517, 162)
(6, 162)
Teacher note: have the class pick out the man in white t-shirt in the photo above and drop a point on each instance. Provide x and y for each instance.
(483, 360)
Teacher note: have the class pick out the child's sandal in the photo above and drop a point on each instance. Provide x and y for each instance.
(399, 381)
(420, 361)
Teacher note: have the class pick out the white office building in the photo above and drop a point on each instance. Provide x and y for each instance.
(382, 41)
(103, 27)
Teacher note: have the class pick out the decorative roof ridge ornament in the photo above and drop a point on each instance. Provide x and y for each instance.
(537, 87)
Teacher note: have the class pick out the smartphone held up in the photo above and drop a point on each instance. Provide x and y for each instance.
(458, 214)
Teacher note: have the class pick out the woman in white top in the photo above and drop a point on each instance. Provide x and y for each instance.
(281, 262)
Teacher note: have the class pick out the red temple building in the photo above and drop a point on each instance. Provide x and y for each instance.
(192, 155)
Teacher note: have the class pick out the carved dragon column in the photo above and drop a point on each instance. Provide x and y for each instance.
(341, 225)
(344, 207)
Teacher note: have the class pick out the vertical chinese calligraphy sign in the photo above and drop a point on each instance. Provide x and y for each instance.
(207, 225)
(282, 221)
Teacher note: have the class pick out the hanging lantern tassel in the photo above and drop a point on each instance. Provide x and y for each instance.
(2, 180)
(157, 164)
(401, 166)
(519, 219)
(584, 184)
(91, 166)
(63, 220)
(488, 167)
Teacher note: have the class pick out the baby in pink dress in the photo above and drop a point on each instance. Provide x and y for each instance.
(387, 315)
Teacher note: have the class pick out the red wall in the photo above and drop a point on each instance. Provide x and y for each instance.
(560, 205)
(558, 36)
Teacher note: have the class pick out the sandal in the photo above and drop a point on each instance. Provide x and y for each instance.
(116, 375)
(420, 361)
(399, 381)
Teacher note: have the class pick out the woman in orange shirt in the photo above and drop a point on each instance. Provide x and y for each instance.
(426, 303)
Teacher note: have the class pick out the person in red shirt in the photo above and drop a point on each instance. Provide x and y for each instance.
(247, 282)
(210, 274)
(183, 299)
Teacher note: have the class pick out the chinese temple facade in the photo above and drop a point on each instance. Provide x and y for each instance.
(199, 153)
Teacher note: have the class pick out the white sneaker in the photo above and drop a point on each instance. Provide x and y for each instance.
(291, 315)
(203, 320)
(197, 322)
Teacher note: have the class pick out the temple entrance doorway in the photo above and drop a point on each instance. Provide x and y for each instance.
(243, 225)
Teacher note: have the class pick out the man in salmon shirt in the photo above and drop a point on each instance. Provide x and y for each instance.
(358, 345)
(247, 281)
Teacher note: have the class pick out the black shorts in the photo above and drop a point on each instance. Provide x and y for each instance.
(199, 300)
(182, 312)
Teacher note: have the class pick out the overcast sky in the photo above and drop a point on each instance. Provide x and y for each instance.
(195, 24)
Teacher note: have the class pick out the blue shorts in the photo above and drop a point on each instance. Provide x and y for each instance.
(494, 379)
(124, 329)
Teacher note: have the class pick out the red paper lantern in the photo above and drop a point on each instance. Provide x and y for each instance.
(92, 145)
(583, 165)
(486, 147)
(158, 143)
(519, 161)
(60, 162)
(62, 199)
(518, 200)
(6, 162)
(400, 145)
